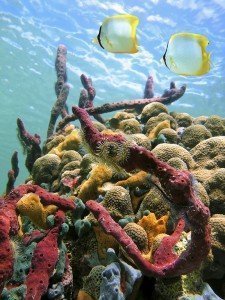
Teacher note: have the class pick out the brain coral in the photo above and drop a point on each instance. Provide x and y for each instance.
(53, 142)
(118, 202)
(130, 126)
(201, 192)
(215, 266)
(154, 201)
(99, 126)
(200, 120)
(183, 119)
(215, 187)
(217, 222)
(168, 151)
(177, 163)
(170, 135)
(138, 235)
(141, 140)
(156, 130)
(194, 134)
(71, 142)
(69, 156)
(210, 154)
(216, 125)
(120, 116)
(73, 165)
(152, 110)
(154, 121)
(46, 168)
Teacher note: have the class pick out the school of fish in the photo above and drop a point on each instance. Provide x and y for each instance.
(185, 53)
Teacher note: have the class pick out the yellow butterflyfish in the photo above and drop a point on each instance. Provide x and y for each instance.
(118, 34)
(186, 54)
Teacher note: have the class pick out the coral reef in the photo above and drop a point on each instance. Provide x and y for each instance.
(168, 97)
(61, 89)
(119, 208)
(13, 173)
(30, 143)
(194, 134)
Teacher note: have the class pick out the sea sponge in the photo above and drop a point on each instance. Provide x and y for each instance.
(138, 179)
(194, 134)
(216, 125)
(72, 142)
(119, 281)
(152, 110)
(154, 121)
(160, 126)
(183, 119)
(118, 117)
(56, 291)
(130, 126)
(170, 135)
(61, 263)
(210, 154)
(89, 189)
(153, 226)
(168, 151)
(30, 205)
(22, 260)
(215, 187)
(14, 293)
(118, 202)
(138, 235)
(46, 168)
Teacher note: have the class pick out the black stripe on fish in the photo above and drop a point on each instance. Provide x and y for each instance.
(164, 56)
(98, 37)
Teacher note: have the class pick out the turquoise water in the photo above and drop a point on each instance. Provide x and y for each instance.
(31, 30)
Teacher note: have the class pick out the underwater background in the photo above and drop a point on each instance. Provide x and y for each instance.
(31, 30)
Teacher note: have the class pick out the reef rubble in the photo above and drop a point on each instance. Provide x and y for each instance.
(129, 207)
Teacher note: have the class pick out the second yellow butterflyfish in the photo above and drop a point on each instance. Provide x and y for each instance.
(186, 54)
(118, 34)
